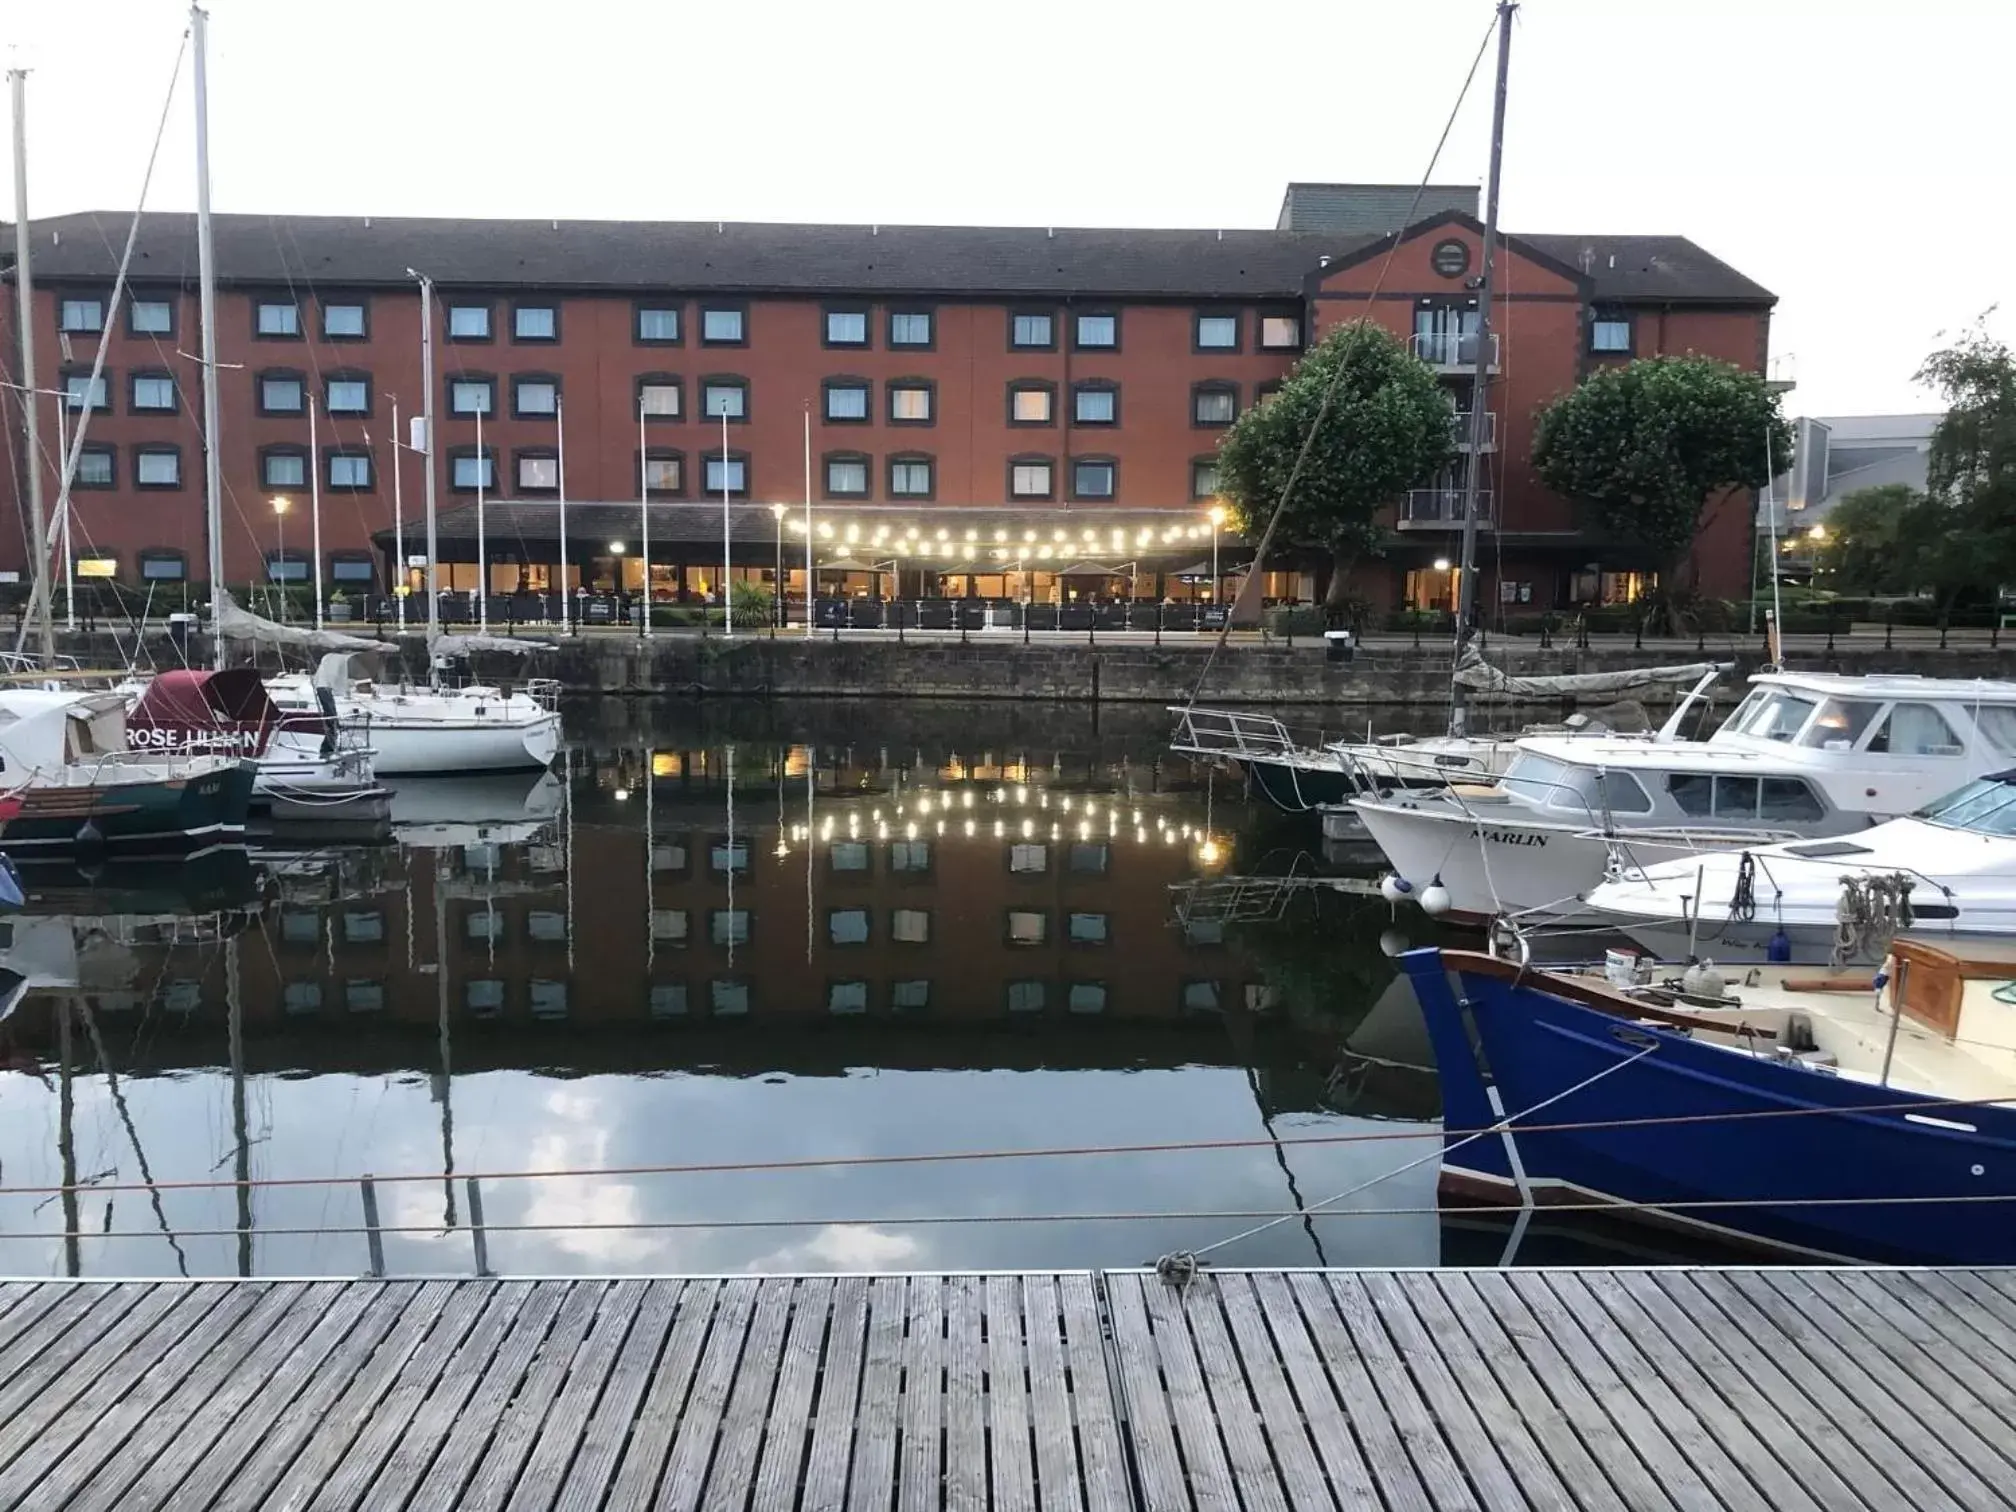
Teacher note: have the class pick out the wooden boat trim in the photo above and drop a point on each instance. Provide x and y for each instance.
(1593, 995)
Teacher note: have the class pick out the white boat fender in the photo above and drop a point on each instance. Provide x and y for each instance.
(1395, 889)
(1393, 943)
(1435, 899)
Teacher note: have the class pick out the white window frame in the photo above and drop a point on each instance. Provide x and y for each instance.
(457, 388)
(458, 314)
(289, 326)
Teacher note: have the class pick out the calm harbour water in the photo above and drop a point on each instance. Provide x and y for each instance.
(736, 934)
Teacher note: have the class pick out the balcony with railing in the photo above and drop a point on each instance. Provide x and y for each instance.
(1488, 441)
(1452, 351)
(1441, 509)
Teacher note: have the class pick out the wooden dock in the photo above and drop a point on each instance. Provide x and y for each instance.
(1298, 1391)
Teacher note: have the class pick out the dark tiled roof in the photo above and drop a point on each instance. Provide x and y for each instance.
(730, 256)
(1367, 209)
(1651, 267)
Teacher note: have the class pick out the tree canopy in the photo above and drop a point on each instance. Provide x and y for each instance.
(1867, 540)
(1643, 447)
(1388, 429)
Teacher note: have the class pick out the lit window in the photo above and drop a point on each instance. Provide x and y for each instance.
(472, 471)
(278, 318)
(721, 327)
(910, 926)
(535, 323)
(82, 316)
(343, 322)
(1026, 997)
(1092, 480)
(150, 317)
(1610, 333)
(157, 467)
(468, 322)
(1032, 331)
(1280, 333)
(79, 392)
(847, 475)
(909, 328)
(910, 478)
(1217, 333)
(730, 475)
(1029, 406)
(729, 926)
(669, 1000)
(847, 926)
(1028, 859)
(283, 470)
(153, 391)
(97, 567)
(282, 396)
(847, 997)
(659, 401)
(1098, 331)
(535, 396)
(1214, 406)
(1086, 997)
(472, 396)
(846, 401)
(350, 470)
(349, 396)
(95, 467)
(847, 328)
(661, 474)
(658, 324)
(1030, 480)
(539, 472)
(909, 404)
(1095, 406)
(1027, 926)
(1203, 479)
(729, 399)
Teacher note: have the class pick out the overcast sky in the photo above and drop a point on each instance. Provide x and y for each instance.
(1848, 154)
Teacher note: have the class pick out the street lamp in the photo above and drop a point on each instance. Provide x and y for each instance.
(777, 614)
(281, 504)
(1217, 519)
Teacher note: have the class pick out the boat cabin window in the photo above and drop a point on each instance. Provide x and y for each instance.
(1987, 806)
(1532, 778)
(1584, 790)
(1772, 714)
(1703, 796)
(1840, 723)
(1997, 722)
(1915, 729)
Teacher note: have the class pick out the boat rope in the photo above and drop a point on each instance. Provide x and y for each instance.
(1869, 912)
(1743, 897)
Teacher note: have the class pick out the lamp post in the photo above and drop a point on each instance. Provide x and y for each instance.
(1217, 583)
(616, 550)
(279, 573)
(777, 616)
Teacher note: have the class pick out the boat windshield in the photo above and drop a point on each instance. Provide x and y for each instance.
(1986, 806)
(1541, 780)
(1534, 778)
(1840, 723)
(1770, 714)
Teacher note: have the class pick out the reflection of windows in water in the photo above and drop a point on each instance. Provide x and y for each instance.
(364, 927)
(1028, 858)
(1087, 997)
(6, 928)
(1088, 929)
(480, 858)
(847, 926)
(1027, 926)
(910, 856)
(361, 995)
(849, 856)
(182, 996)
(1089, 857)
(1200, 996)
(550, 858)
(546, 926)
(1026, 997)
(668, 856)
(546, 998)
(1260, 997)
(669, 926)
(846, 997)
(1204, 932)
(668, 1000)
(910, 997)
(484, 997)
(302, 997)
(300, 926)
(726, 856)
(484, 924)
(911, 926)
(729, 926)
(728, 998)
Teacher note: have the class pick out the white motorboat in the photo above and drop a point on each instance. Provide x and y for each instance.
(437, 731)
(1805, 755)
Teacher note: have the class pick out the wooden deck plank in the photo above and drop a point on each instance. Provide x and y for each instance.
(1901, 1305)
(615, 1413)
(880, 1409)
(1102, 1461)
(645, 1460)
(43, 1370)
(1010, 1451)
(788, 1427)
(965, 1398)
(918, 1485)
(1197, 1434)
(1255, 1471)
(727, 1484)
(1996, 1311)
(1056, 1451)
(33, 1302)
(1266, 1312)
(835, 1422)
(558, 1438)
(1155, 1456)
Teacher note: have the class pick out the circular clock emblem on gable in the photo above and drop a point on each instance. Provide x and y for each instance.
(1450, 258)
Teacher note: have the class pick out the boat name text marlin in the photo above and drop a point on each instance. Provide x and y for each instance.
(1515, 837)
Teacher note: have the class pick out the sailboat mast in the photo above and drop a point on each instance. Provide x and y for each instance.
(24, 285)
(206, 285)
(1466, 582)
(427, 427)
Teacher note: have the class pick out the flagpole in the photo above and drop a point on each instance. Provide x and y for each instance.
(560, 445)
(644, 519)
(808, 522)
(482, 544)
(315, 506)
(727, 601)
(398, 521)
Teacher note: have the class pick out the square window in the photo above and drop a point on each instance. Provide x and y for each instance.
(483, 924)
(1030, 406)
(1033, 332)
(481, 857)
(910, 480)
(355, 570)
(847, 926)
(546, 998)
(1028, 926)
(301, 997)
(1027, 996)
(157, 468)
(725, 856)
(669, 926)
(846, 401)
(343, 322)
(472, 471)
(535, 323)
(909, 404)
(668, 856)
(150, 317)
(1203, 932)
(1200, 996)
(1217, 333)
(1028, 859)
(1214, 406)
(1096, 406)
(536, 396)
(95, 467)
(722, 327)
(846, 997)
(910, 856)
(669, 1000)
(725, 399)
(1030, 480)
(350, 470)
(284, 470)
(153, 391)
(1280, 333)
(728, 926)
(79, 392)
(282, 396)
(288, 569)
(1089, 858)
(81, 317)
(1609, 334)
(847, 476)
(912, 996)
(727, 997)
(483, 997)
(300, 926)
(538, 472)
(658, 324)
(349, 396)
(1098, 332)
(661, 474)
(364, 927)
(910, 926)
(468, 322)
(846, 328)
(546, 926)
(658, 401)
(472, 396)
(1092, 480)
(848, 856)
(730, 476)
(278, 318)
(1203, 480)
(1088, 928)
(163, 568)
(1086, 997)
(909, 328)
(361, 995)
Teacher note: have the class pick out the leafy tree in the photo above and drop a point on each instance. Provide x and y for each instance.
(1867, 547)
(1388, 429)
(1642, 448)
(1963, 536)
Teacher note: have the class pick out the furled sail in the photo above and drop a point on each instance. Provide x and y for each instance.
(1473, 672)
(235, 622)
(456, 647)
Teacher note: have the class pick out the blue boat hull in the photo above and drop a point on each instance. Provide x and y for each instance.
(1770, 1151)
